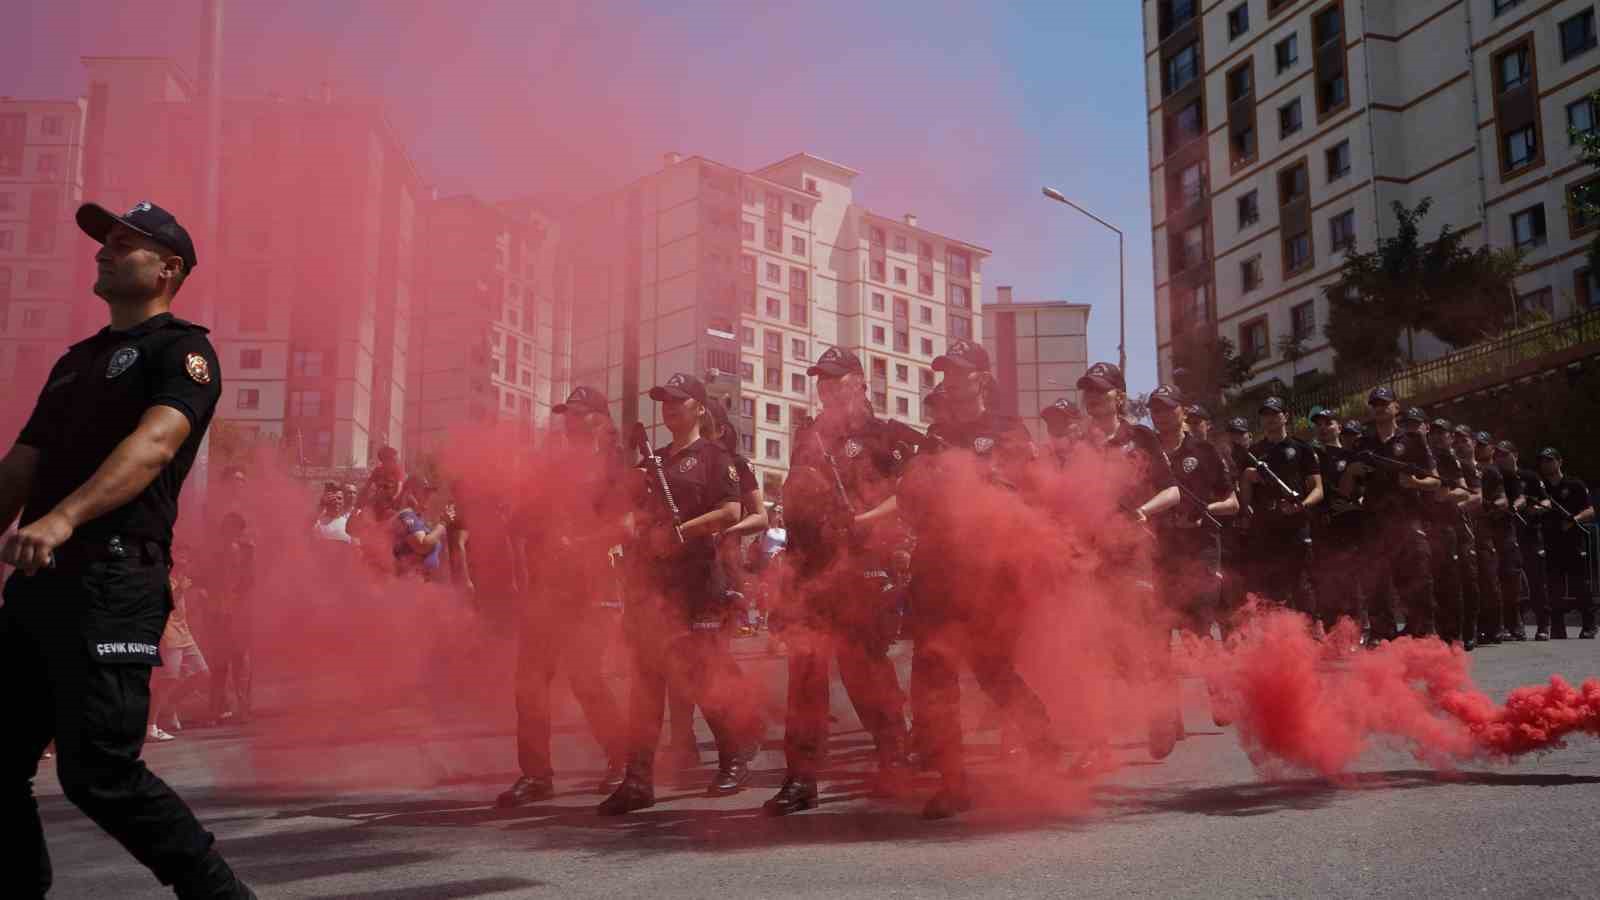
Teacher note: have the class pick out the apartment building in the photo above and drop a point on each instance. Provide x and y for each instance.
(744, 277)
(1282, 131)
(1038, 350)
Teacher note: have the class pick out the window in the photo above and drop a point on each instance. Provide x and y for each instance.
(877, 334)
(960, 296)
(1514, 68)
(1580, 120)
(1588, 288)
(925, 378)
(1292, 184)
(876, 269)
(774, 273)
(877, 303)
(927, 346)
(1527, 227)
(811, 186)
(747, 372)
(1253, 339)
(774, 414)
(747, 264)
(774, 448)
(1192, 247)
(49, 165)
(249, 359)
(1501, 6)
(1187, 124)
(1327, 26)
(1250, 273)
(902, 373)
(1338, 160)
(42, 239)
(1289, 119)
(253, 317)
(900, 245)
(880, 401)
(1297, 252)
(8, 201)
(798, 281)
(1182, 68)
(880, 369)
(1522, 147)
(773, 378)
(961, 327)
(1332, 91)
(1244, 144)
(1304, 320)
(33, 318)
(773, 341)
(1181, 12)
(959, 264)
(306, 404)
(748, 304)
(797, 348)
(1541, 301)
(797, 383)
(747, 407)
(525, 377)
(774, 237)
(1342, 230)
(900, 275)
(5, 240)
(249, 398)
(902, 308)
(1191, 184)
(925, 315)
(775, 307)
(747, 444)
(52, 126)
(1241, 82)
(876, 236)
(1238, 20)
(902, 341)
(925, 283)
(902, 406)
(797, 246)
(747, 230)
(1577, 34)
(925, 251)
(308, 363)
(747, 336)
(1582, 198)
(1287, 52)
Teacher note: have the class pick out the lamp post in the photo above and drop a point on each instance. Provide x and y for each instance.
(1122, 279)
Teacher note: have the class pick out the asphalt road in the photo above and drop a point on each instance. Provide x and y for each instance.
(1203, 823)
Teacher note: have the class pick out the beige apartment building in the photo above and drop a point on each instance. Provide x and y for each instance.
(743, 278)
(1038, 350)
(1282, 131)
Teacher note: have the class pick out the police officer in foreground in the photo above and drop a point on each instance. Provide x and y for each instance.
(1280, 534)
(1337, 530)
(96, 475)
(1063, 424)
(1501, 528)
(1568, 513)
(1455, 600)
(1480, 571)
(843, 472)
(1397, 480)
(1526, 494)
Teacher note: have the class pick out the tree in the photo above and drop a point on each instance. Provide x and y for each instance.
(1139, 407)
(1292, 348)
(1205, 365)
(1459, 294)
(1588, 196)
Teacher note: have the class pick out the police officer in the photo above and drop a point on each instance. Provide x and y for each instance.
(1454, 601)
(1063, 424)
(1566, 519)
(843, 534)
(981, 630)
(1337, 531)
(1396, 554)
(676, 613)
(573, 599)
(1526, 493)
(1501, 528)
(96, 474)
(1480, 557)
(1232, 440)
(1280, 533)
(1199, 419)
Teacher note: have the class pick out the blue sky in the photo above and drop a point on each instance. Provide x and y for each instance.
(958, 112)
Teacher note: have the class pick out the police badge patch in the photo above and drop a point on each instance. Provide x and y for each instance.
(199, 370)
(1399, 449)
(983, 444)
(852, 448)
(1190, 464)
(1338, 466)
(122, 361)
(733, 474)
(1288, 453)
(688, 464)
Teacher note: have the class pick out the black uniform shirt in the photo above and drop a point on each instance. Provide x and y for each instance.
(1572, 494)
(1198, 467)
(1291, 459)
(701, 477)
(1341, 511)
(1383, 491)
(94, 399)
(870, 454)
(1451, 476)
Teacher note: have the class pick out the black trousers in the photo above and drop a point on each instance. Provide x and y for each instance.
(991, 653)
(77, 644)
(869, 680)
(1568, 577)
(1397, 571)
(228, 655)
(1189, 580)
(1510, 574)
(1444, 551)
(1490, 617)
(1339, 591)
(572, 645)
(1280, 564)
(1534, 567)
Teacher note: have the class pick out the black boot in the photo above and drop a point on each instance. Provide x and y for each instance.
(732, 773)
(637, 791)
(526, 790)
(799, 792)
(212, 879)
(616, 773)
(953, 799)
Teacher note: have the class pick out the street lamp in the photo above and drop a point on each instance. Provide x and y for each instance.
(1122, 279)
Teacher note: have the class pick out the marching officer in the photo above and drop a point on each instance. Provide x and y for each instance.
(1480, 571)
(1527, 496)
(1063, 424)
(1337, 531)
(1396, 547)
(1501, 527)
(96, 475)
(1454, 598)
(842, 513)
(1568, 512)
(1280, 533)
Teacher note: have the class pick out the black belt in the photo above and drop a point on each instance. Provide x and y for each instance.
(79, 552)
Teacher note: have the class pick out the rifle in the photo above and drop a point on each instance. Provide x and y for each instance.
(833, 468)
(1261, 466)
(1190, 496)
(1373, 460)
(642, 442)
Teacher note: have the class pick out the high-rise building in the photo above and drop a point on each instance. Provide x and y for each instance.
(1282, 131)
(1038, 350)
(744, 278)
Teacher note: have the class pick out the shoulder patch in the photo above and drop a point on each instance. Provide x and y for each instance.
(1190, 464)
(122, 361)
(983, 444)
(852, 448)
(733, 473)
(689, 462)
(199, 370)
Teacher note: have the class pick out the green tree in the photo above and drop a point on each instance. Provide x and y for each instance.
(1292, 348)
(1384, 297)
(1205, 365)
(1588, 197)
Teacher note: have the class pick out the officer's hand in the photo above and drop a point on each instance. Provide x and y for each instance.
(1361, 468)
(1252, 476)
(33, 548)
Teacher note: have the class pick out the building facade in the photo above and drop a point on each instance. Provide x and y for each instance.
(1282, 131)
(743, 278)
(1038, 351)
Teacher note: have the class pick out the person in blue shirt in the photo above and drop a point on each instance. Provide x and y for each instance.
(417, 545)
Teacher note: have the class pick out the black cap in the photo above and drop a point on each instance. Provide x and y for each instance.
(1063, 410)
(1483, 437)
(583, 399)
(1465, 430)
(1351, 426)
(1414, 414)
(1102, 376)
(1322, 412)
(1380, 395)
(1196, 411)
(834, 363)
(1238, 425)
(1440, 424)
(1166, 395)
(1506, 447)
(1549, 453)
(146, 218)
(962, 354)
(679, 387)
(1272, 405)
